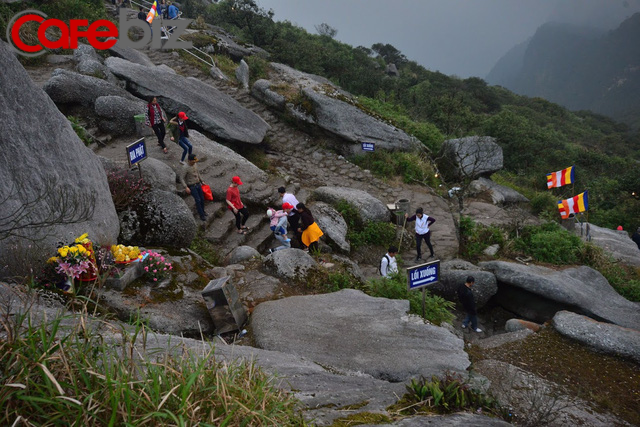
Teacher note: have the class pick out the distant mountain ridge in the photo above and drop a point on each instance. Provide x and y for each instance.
(579, 68)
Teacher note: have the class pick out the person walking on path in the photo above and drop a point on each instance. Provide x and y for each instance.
(311, 233)
(293, 215)
(235, 205)
(154, 118)
(192, 182)
(465, 295)
(278, 224)
(388, 263)
(181, 122)
(423, 222)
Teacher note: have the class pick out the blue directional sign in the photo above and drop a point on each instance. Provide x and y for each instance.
(368, 146)
(423, 275)
(136, 152)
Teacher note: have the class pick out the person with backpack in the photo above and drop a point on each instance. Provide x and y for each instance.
(388, 264)
(154, 118)
(181, 122)
(423, 222)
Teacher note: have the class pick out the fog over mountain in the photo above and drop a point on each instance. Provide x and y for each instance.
(459, 37)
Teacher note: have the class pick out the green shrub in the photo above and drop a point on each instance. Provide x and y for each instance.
(80, 130)
(411, 167)
(444, 396)
(258, 68)
(475, 238)
(550, 243)
(205, 249)
(544, 203)
(437, 309)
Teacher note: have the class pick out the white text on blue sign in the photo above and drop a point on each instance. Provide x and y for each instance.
(422, 276)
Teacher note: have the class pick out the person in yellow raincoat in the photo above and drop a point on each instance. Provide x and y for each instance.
(311, 233)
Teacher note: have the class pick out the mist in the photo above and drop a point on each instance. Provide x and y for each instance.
(456, 37)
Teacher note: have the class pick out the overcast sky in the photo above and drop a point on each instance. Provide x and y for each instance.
(460, 37)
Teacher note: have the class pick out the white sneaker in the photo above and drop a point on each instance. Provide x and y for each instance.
(182, 163)
(478, 330)
(464, 326)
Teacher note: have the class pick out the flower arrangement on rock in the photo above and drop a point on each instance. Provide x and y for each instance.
(76, 262)
(124, 254)
(155, 266)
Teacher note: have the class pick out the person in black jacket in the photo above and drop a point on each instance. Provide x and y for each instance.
(636, 237)
(469, 304)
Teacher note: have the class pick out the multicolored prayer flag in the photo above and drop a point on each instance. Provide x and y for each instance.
(560, 178)
(579, 203)
(152, 12)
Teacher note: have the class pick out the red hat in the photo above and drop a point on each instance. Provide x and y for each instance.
(183, 115)
(287, 206)
(236, 180)
(619, 228)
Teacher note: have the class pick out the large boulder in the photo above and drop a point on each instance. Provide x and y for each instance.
(50, 180)
(537, 293)
(241, 254)
(131, 55)
(161, 219)
(617, 243)
(471, 157)
(207, 107)
(332, 113)
(117, 113)
(355, 334)
(289, 264)
(500, 194)
(218, 164)
(603, 337)
(369, 207)
(332, 225)
(67, 87)
(261, 90)
(455, 272)
(157, 174)
(89, 62)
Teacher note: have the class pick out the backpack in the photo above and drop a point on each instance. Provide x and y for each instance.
(380, 266)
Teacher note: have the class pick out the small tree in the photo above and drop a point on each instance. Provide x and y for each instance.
(325, 29)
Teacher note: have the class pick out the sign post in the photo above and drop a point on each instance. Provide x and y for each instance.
(421, 276)
(136, 153)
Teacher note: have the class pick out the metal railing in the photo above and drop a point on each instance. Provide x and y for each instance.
(166, 33)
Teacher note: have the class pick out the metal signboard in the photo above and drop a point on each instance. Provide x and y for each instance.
(136, 152)
(368, 146)
(423, 275)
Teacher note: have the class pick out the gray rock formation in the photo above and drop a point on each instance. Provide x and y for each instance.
(392, 70)
(131, 55)
(261, 90)
(537, 293)
(500, 195)
(242, 74)
(59, 59)
(502, 339)
(490, 214)
(536, 401)
(88, 62)
(117, 113)
(162, 219)
(472, 156)
(333, 114)
(289, 264)
(158, 174)
(217, 73)
(332, 225)
(207, 107)
(603, 337)
(42, 161)
(240, 254)
(67, 87)
(218, 164)
(455, 272)
(461, 419)
(370, 208)
(616, 243)
(355, 334)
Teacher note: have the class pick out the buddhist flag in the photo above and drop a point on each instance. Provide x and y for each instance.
(560, 178)
(152, 12)
(579, 203)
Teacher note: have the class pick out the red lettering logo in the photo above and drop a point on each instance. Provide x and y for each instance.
(68, 34)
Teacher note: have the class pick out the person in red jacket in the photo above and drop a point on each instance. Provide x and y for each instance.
(235, 205)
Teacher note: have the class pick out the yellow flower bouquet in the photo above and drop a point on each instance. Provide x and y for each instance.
(76, 262)
(125, 254)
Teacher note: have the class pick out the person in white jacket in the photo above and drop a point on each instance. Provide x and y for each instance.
(388, 264)
(423, 222)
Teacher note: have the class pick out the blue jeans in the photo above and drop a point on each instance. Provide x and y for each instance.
(198, 196)
(186, 146)
(474, 321)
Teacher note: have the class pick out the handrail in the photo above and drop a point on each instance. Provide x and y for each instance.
(166, 33)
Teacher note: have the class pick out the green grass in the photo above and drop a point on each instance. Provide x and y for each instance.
(60, 375)
(206, 250)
